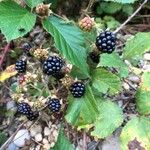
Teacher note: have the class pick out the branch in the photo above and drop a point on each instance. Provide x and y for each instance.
(122, 25)
(87, 8)
(6, 49)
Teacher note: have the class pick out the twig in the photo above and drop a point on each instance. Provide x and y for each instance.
(6, 49)
(87, 8)
(84, 146)
(4, 146)
(122, 25)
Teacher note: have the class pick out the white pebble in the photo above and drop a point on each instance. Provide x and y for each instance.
(35, 130)
(45, 141)
(21, 137)
(147, 56)
(38, 137)
(46, 146)
(47, 131)
(126, 86)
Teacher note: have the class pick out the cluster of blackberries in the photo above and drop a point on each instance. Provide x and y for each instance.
(77, 89)
(52, 65)
(25, 109)
(106, 42)
(21, 66)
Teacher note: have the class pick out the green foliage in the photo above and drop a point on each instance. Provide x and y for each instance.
(137, 46)
(114, 61)
(33, 3)
(136, 133)
(62, 142)
(3, 138)
(105, 81)
(110, 118)
(69, 41)
(82, 111)
(143, 95)
(15, 20)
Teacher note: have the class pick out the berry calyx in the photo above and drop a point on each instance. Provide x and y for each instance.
(24, 108)
(86, 24)
(106, 42)
(77, 89)
(94, 56)
(21, 66)
(54, 104)
(21, 79)
(52, 65)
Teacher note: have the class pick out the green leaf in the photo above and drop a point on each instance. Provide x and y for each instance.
(111, 7)
(82, 111)
(136, 134)
(121, 1)
(143, 95)
(62, 142)
(137, 46)
(69, 41)
(15, 20)
(110, 117)
(127, 9)
(33, 3)
(113, 60)
(3, 138)
(105, 81)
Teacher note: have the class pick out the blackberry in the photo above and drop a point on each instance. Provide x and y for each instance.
(24, 108)
(94, 57)
(32, 116)
(59, 75)
(77, 89)
(26, 48)
(52, 65)
(54, 105)
(21, 66)
(106, 42)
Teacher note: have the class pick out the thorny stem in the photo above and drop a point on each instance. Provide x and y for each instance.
(87, 8)
(139, 8)
(6, 49)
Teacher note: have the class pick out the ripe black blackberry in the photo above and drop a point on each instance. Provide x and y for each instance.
(32, 116)
(24, 108)
(94, 56)
(21, 66)
(77, 89)
(26, 48)
(52, 65)
(106, 42)
(54, 104)
(59, 75)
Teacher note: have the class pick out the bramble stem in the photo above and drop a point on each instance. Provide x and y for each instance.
(139, 8)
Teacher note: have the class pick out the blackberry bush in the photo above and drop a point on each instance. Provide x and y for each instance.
(77, 89)
(54, 104)
(21, 66)
(52, 65)
(106, 42)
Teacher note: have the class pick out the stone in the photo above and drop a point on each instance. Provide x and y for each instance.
(47, 131)
(38, 137)
(34, 130)
(20, 138)
(146, 56)
(12, 146)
